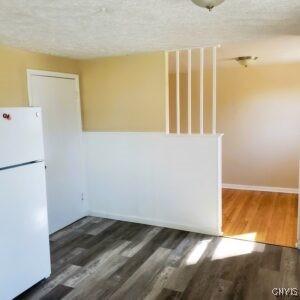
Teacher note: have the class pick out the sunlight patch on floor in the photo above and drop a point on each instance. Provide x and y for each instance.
(197, 252)
(251, 236)
(231, 247)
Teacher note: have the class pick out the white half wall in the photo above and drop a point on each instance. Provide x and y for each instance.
(154, 178)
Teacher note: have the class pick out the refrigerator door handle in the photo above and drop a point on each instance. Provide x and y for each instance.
(20, 165)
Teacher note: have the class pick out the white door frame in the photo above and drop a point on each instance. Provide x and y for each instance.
(56, 75)
(31, 72)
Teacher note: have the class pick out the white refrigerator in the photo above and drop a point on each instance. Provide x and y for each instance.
(24, 236)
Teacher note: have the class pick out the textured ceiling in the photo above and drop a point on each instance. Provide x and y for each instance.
(91, 28)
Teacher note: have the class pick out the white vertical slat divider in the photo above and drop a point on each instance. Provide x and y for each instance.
(201, 92)
(214, 90)
(177, 92)
(167, 96)
(189, 91)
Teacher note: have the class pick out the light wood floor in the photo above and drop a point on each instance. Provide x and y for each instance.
(260, 216)
(101, 259)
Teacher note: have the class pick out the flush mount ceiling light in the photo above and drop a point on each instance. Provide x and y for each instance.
(209, 4)
(245, 60)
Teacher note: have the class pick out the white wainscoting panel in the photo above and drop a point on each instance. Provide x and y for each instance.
(154, 178)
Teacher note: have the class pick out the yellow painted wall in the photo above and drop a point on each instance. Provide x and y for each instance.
(13, 65)
(118, 94)
(259, 114)
(124, 93)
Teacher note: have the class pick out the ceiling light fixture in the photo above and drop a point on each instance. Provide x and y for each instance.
(245, 60)
(209, 4)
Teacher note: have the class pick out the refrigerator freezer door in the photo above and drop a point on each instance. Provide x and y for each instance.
(21, 136)
(24, 251)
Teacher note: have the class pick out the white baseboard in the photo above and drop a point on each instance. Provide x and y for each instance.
(159, 223)
(259, 188)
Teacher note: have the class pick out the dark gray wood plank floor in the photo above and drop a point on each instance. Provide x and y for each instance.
(97, 258)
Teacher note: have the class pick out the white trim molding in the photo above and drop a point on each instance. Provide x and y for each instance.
(153, 222)
(52, 74)
(260, 188)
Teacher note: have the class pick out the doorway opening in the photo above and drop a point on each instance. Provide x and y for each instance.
(258, 112)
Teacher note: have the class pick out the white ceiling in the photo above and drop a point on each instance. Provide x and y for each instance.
(91, 28)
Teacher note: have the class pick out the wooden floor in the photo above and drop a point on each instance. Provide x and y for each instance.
(260, 216)
(102, 259)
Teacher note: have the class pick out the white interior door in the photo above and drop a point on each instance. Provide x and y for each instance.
(58, 96)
